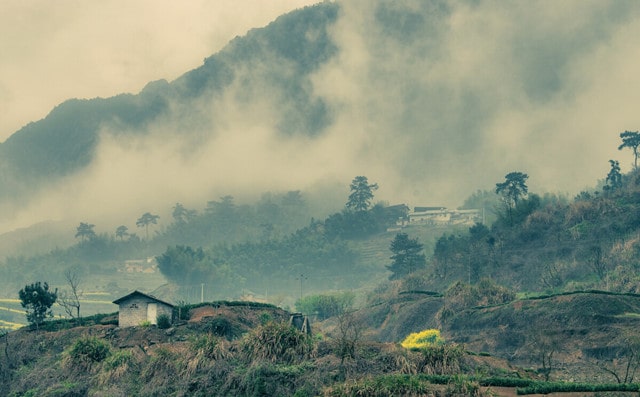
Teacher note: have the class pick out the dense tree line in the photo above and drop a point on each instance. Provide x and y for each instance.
(545, 242)
(234, 246)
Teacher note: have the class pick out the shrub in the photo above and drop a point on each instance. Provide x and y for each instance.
(163, 321)
(145, 324)
(208, 346)
(116, 366)
(385, 385)
(265, 317)
(203, 350)
(276, 342)
(183, 311)
(441, 360)
(118, 359)
(88, 351)
(461, 386)
(223, 327)
(423, 339)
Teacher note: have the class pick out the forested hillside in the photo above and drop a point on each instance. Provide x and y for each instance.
(547, 242)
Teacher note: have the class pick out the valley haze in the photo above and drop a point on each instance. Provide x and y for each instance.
(432, 100)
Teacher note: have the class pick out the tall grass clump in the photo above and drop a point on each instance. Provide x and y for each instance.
(203, 350)
(86, 352)
(276, 342)
(383, 386)
(116, 366)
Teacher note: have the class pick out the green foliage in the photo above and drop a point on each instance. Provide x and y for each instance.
(383, 386)
(85, 231)
(276, 342)
(443, 359)
(208, 346)
(512, 190)
(222, 327)
(182, 310)
(461, 296)
(361, 194)
(565, 387)
(163, 321)
(614, 177)
(631, 139)
(118, 359)
(87, 351)
(352, 225)
(147, 219)
(265, 317)
(264, 264)
(37, 300)
(407, 256)
(462, 386)
(184, 264)
(325, 305)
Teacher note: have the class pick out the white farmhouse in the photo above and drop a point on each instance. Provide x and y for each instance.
(137, 307)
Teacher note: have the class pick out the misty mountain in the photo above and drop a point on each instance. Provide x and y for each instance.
(432, 100)
(284, 54)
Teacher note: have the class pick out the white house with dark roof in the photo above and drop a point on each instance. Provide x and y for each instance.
(138, 307)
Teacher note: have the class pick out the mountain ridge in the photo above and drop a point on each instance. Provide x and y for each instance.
(64, 142)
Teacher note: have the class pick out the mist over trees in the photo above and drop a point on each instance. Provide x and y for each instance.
(237, 247)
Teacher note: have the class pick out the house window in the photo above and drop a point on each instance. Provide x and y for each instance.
(133, 306)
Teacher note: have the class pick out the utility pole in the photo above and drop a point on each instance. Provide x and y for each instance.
(302, 277)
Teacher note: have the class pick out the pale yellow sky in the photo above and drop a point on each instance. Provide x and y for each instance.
(56, 50)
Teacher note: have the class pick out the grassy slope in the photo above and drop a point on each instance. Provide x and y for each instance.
(584, 329)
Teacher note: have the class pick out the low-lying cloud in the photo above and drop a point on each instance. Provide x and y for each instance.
(431, 100)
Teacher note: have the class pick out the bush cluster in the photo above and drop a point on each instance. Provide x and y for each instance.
(87, 351)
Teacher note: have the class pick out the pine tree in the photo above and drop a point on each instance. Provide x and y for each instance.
(407, 256)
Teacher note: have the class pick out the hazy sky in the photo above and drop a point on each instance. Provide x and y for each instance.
(56, 50)
(430, 99)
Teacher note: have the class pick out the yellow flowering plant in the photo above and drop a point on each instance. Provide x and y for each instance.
(423, 339)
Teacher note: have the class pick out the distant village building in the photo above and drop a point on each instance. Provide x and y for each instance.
(138, 307)
(438, 216)
(148, 265)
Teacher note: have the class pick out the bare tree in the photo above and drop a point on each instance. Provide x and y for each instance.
(626, 361)
(70, 300)
(543, 346)
(349, 334)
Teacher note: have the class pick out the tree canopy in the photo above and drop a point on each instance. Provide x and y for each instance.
(361, 194)
(407, 256)
(85, 231)
(37, 300)
(512, 190)
(631, 139)
(147, 219)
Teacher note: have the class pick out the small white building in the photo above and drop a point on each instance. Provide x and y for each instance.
(138, 307)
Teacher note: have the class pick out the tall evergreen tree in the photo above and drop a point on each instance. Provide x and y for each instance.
(147, 219)
(407, 256)
(512, 190)
(361, 194)
(631, 139)
(614, 177)
(85, 231)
